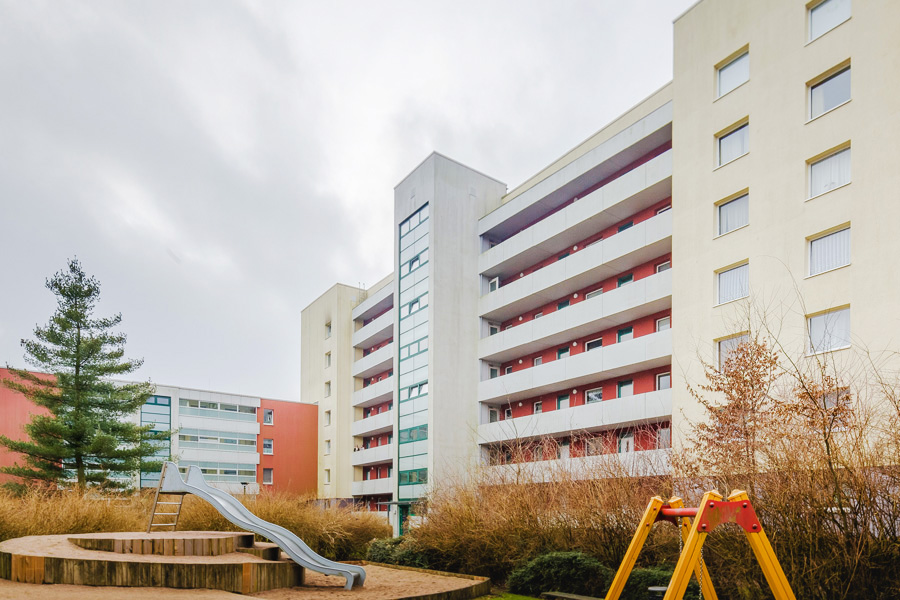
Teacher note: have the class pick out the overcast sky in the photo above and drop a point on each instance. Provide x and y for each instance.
(218, 165)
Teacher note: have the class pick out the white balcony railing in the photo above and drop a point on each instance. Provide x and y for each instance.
(372, 456)
(376, 393)
(642, 463)
(646, 352)
(376, 362)
(374, 332)
(375, 303)
(380, 423)
(617, 306)
(612, 256)
(650, 407)
(372, 487)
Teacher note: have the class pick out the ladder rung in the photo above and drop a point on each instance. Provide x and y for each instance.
(162, 525)
(173, 514)
(177, 503)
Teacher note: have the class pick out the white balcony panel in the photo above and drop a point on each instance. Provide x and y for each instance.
(380, 423)
(612, 256)
(376, 362)
(639, 409)
(225, 456)
(375, 303)
(642, 463)
(373, 487)
(375, 332)
(376, 393)
(617, 306)
(646, 352)
(587, 170)
(236, 489)
(372, 456)
(639, 188)
(227, 425)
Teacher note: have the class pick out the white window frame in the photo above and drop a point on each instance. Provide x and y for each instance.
(538, 315)
(494, 284)
(538, 361)
(327, 359)
(827, 156)
(740, 337)
(587, 395)
(327, 447)
(820, 237)
(271, 472)
(493, 371)
(622, 438)
(507, 370)
(593, 294)
(619, 388)
(559, 401)
(538, 407)
(493, 328)
(268, 416)
(271, 449)
(620, 335)
(327, 330)
(667, 208)
(327, 476)
(661, 375)
(809, 347)
(660, 321)
(507, 413)
(731, 63)
(563, 352)
(664, 442)
(725, 203)
(719, 300)
(809, 18)
(726, 134)
(821, 81)
(327, 418)
(589, 342)
(664, 266)
(327, 389)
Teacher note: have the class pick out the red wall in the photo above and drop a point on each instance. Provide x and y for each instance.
(15, 412)
(295, 435)
(376, 378)
(378, 346)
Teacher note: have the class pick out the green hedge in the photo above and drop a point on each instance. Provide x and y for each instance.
(570, 572)
(641, 579)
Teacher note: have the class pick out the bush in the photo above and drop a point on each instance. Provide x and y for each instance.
(572, 572)
(641, 579)
(401, 551)
(382, 551)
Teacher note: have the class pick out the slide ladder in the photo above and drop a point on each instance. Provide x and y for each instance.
(238, 514)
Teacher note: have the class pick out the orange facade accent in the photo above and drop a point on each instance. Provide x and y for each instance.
(16, 411)
(294, 433)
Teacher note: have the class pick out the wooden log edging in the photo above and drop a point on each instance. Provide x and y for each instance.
(167, 546)
(481, 588)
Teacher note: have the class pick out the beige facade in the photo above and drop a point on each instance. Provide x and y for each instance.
(785, 211)
(327, 356)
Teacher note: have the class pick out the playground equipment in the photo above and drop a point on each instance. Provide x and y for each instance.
(171, 483)
(712, 512)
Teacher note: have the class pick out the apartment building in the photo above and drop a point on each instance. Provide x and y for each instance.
(536, 325)
(233, 438)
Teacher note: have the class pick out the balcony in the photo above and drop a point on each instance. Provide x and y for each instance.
(372, 487)
(585, 171)
(380, 423)
(642, 463)
(640, 354)
(375, 332)
(372, 456)
(638, 189)
(376, 302)
(612, 256)
(376, 393)
(608, 414)
(616, 307)
(377, 362)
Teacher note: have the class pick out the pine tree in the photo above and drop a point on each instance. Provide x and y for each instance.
(87, 439)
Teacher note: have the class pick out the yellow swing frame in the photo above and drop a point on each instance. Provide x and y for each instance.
(713, 511)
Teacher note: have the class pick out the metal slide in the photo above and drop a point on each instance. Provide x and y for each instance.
(237, 513)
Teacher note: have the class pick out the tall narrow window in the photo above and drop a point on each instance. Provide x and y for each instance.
(328, 330)
(664, 381)
(625, 334)
(829, 173)
(327, 359)
(625, 388)
(562, 352)
(829, 93)
(829, 331)
(826, 15)
(538, 361)
(269, 476)
(727, 346)
(734, 214)
(494, 284)
(562, 401)
(538, 407)
(327, 389)
(734, 73)
(829, 252)
(734, 283)
(327, 418)
(268, 446)
(734, 144)
(663, 323)
(268, 416)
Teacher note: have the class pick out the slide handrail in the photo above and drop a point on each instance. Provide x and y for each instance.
(235, 512)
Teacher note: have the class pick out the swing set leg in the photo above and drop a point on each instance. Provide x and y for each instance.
(700, 570)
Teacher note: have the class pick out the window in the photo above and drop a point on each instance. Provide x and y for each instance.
(268, 416)
(593, 344)
(327, 389)
(413, 306)
(538, 407)
(327, 446)
(562, 256)
(268, 476)
(327, 418)
(268, 446)
(664, 381)
(327, 475)
(594, 446)
(414, 262)
(494, 372)
(494, 284)
(829, 173)
(626, 442)
(829, 252)
(664, 438)
(625, 226)
(727, 346)
(829, 331)
(562, 401)
(734, 144)
(538, 360)
(507, 413)
(829, 93)
(825, 16)
(625, 280)
(734, 283)
(562, 305)
(663, 324)
(665, 266)
(625, 388)
(507, 371)
(595, 395)
(538, 315)
(562, 352)
(493, 415)
(665, 208)
(327, 330)
(734, 73)
(596, 292)
(734, 214)
(625, 334)
(327, 359)
(493, 328)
